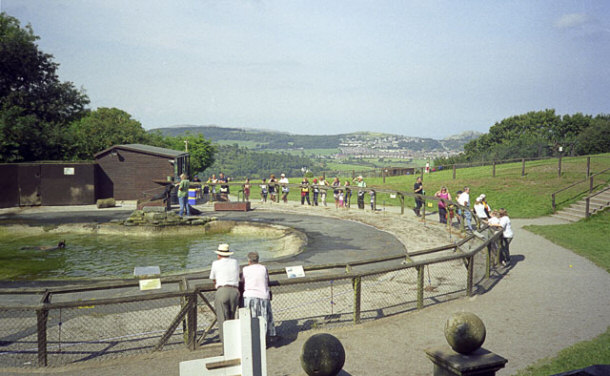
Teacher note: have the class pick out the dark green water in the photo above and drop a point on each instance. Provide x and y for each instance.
(95, 256)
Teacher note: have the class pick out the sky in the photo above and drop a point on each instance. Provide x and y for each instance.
(413, 68)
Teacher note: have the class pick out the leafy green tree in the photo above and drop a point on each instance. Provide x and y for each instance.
(596, 138)
(200, 149)
(35, 107)
(103, 128)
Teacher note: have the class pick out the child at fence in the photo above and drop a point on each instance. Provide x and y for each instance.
(372, 193)
(316, 192)
(340, 199)
(264, 191)
(247, 190)
(305, 191)
(507, 237)
(479, 209)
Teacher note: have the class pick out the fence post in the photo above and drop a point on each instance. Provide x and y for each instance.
(191, 320)
(470, 276)
(41, 325)
(454, 168)
(591, 184)
(488, 262)
(357, 284)
(522, 166)
(383, 173)
(588, 167)
(587, 207)
(494, 169)
(420, 286)
(559, 167)
(401, 197)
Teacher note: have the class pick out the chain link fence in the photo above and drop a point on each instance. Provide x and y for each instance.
(111, 321)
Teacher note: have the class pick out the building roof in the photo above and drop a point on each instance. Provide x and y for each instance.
(146, 149)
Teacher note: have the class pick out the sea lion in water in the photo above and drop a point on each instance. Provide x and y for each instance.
(60, 245)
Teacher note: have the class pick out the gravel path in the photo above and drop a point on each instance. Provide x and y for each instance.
(549, 299)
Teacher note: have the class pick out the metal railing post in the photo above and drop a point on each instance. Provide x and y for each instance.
(523, 167)
(420, 286)
(357, 284)
(553, 202)
(41, 328)
(588, 167)
(454, 168)
(494, 169)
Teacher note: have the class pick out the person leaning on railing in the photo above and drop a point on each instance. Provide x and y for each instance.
(361, 191)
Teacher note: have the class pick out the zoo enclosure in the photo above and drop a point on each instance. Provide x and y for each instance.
(61, 325)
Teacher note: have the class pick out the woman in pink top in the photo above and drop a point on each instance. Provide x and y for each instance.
(257, 296)
(442, 205)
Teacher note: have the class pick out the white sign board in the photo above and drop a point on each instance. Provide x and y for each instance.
(68, 170)
(295, 271)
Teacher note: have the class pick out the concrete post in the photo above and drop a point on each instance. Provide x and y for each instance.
(482, 362)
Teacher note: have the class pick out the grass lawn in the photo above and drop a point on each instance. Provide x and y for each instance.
(581, 355)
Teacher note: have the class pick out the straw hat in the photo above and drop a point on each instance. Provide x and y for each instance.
(223, 250)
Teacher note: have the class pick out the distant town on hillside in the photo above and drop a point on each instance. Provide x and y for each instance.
(340, 146)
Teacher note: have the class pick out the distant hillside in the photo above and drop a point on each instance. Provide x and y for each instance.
(270, 140)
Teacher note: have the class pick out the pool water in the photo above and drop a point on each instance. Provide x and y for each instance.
(115, 256)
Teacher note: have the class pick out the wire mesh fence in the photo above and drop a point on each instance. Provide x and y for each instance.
(62, 332)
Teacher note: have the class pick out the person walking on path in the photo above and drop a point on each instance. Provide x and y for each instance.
(183, 195)
(507, 237)
(225, 275)
(361, 191)
(418, 188)
(444, 196)
(257, 296)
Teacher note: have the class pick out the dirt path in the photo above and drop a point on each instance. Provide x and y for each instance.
(549, 299)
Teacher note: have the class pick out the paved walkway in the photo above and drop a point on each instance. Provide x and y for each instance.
(549, 299)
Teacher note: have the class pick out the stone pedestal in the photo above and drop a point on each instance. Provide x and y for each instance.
(450, 363)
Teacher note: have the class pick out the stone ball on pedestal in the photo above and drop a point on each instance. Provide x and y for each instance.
(465, 332)
(322, 355)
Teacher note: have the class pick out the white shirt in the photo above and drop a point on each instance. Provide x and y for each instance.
(505, 223)
(464, 199)
(480, 210)
(284, 180)
(255, 281)
(494, 221)
(226, 272)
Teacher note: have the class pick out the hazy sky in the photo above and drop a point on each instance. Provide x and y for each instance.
(416, 68)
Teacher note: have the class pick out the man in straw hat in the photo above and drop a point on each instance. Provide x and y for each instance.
(225, 274)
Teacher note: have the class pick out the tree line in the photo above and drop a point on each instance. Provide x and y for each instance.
(537, 134)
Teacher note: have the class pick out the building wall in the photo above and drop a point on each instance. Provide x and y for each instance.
(9, 186)
(67, 184)
(129, 175)
(33, 184)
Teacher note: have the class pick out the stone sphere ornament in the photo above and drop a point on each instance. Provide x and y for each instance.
(465, 332)
(322, 355)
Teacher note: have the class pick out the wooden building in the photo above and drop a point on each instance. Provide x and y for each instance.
(131, 172)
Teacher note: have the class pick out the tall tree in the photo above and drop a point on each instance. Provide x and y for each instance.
(101, 129)
(200, 149)
(35, 106)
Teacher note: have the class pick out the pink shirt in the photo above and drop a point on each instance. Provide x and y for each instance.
(256, 281)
